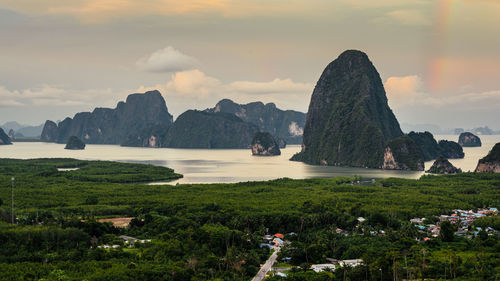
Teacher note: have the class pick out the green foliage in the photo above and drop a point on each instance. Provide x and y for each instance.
(213, 231)
(446, 231)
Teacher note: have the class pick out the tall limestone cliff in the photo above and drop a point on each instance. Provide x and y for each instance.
(112, 126)
(4, 139)
(349, 121)
(199, 129)
(491, 162)
(285, 124)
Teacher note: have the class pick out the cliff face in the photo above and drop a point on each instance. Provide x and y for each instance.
(402, 154)
(49, 132)
(4, 139)
(443, 166)
(349, 120)
(467, 139)
(491, 162)
(198, 129)
(285, 124)
(112, 126)
(264, 144)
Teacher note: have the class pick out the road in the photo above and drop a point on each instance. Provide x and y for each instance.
(261, 275)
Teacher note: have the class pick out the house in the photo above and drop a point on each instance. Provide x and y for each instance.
(268, 237)
(417, 220)
(323, 267)
(279, 235)
(334, 262)
(361, 219)
(278, 242)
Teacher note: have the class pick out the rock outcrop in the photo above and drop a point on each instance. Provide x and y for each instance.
(467, 139)
(74, 143)
(450, 149)
(112, 126)
(443, 166)
(491, 162)
(349, 120)
(4, 138)
(199, 129)
(428, 146)
(402, 153)
(49, 132)
(285, 124)
(264, 144)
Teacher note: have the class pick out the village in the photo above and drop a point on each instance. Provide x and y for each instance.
(462, 219)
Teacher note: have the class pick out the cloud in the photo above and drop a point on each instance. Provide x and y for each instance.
(54, 96)
(406, 92)
(186, 86)
(98, 11)
(276, 86)
(167, 60)
(193, 83)
(409, 17)
(402, 89)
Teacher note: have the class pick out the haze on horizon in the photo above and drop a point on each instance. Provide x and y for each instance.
(439, 60)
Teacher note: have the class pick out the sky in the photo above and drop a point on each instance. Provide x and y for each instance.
(439, 59)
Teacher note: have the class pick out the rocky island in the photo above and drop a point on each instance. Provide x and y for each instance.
(112, 126)
(287, 125)
(450, 149)
(199, 129)
(349, 121)
(467, 139)
(264, 144)
(4, 139)
(443, 166)
(74, 143)
(491, 162)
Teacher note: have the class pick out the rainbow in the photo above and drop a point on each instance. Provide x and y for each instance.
(437, 64)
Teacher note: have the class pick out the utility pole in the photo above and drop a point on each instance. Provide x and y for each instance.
(13, 179)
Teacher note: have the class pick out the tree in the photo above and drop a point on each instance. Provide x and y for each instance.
(447, 231)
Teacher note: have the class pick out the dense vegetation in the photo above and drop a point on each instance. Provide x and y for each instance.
(212, 231)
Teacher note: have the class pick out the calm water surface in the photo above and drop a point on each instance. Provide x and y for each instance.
(228, 165)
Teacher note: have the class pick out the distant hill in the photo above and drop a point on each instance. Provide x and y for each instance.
(199, 129)
(349, 121)
(112, 126)
(285, 124)
(24, 130)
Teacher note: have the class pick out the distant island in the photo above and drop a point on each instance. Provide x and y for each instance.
(74, 143)
(467, 139)
(284, 124)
